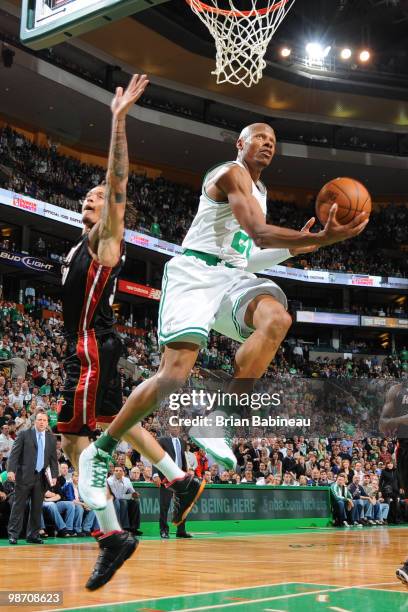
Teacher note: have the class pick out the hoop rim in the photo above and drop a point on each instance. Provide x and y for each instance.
(202, 7)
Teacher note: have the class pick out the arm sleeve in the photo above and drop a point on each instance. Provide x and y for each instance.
(266, 258)
(335, 492)
(54, 461)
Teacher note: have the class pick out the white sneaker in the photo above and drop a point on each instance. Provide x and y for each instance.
(218, 448)
(93, 472)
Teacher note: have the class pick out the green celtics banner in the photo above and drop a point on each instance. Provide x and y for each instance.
(245, 502)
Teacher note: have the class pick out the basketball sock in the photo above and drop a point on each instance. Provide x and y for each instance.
(107, 518)
(169, 468)
(106, 443)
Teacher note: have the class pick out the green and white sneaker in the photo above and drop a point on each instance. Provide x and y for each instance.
(93, 472)
(220, 448)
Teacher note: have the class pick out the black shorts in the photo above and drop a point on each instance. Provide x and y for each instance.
(402, 465)
(92, 390)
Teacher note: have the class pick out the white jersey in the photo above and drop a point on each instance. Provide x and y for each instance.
(216, 231)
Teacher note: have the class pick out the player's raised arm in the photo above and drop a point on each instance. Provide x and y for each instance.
(237, 186)
(112, 224)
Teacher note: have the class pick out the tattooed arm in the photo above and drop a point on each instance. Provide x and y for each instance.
(109, 235)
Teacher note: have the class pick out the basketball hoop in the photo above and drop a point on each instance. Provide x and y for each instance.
(241, 36)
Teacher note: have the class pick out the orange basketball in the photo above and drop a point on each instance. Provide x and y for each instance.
(350, 196)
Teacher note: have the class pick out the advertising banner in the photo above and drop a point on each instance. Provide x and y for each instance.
(241, 502)
(135, 289)
(328, 318)
(29, 262)
(392, 322)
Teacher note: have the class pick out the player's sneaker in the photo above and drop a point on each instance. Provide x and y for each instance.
(402, 573)
(93, 471)
(115, 548)
(187, 491)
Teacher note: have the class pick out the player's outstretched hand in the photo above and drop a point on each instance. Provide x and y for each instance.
(124, 100)
(308, 249)
(336, 232)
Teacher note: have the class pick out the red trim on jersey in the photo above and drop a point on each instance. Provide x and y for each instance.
(87, 387)
(84, 412)
(93, 379)
(95, 284)
(105, 273)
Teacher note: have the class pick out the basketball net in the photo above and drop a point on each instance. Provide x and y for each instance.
(241, 37)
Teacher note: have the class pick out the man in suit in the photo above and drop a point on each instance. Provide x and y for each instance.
(176, 448)
(33, 452)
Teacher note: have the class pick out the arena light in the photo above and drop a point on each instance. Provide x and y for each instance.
(345, 53)
(364, 56)
(314, 50)
(285, 52)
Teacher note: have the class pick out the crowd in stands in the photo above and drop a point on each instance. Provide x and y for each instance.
(43, 173)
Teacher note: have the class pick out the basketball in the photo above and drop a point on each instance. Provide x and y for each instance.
(351, 197)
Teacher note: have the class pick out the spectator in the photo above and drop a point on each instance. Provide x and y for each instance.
(289, 462)
(342, 501)
(22, 421)
(388, 485)
(202, 462)
(126, 500)
(51, 511)
(248, 477)
(85, 520)
(6, 441)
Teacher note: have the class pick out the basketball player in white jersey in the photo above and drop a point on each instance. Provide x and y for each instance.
(209, 287)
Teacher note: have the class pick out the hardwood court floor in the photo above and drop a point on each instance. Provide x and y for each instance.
(344, 571)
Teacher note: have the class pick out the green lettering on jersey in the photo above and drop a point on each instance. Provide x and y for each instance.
(242, 243)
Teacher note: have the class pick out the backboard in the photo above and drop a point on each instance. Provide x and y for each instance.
(45, 23)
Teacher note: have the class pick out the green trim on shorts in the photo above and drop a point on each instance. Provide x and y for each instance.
(182, 334)
(163, 296)
(194, 329)
(234, 316)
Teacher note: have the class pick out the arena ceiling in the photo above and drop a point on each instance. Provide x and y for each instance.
(169, 42)
(77, 118)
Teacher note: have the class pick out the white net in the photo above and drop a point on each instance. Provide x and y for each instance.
(241, 37)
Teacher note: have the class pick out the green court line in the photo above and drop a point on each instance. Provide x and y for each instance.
(207, 534)
(289, 597)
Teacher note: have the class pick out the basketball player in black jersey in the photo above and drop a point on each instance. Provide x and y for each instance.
(92, 390)
(394, 420)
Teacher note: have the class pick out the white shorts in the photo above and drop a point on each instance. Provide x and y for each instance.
(197, 297)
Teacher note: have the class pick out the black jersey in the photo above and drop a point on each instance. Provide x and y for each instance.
(401, 409)
(88, 289)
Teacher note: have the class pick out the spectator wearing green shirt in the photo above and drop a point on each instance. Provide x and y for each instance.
(52, 415)
(29, 306)
(343, 500)
(45, 389)
(5, 352)
(155, 228)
